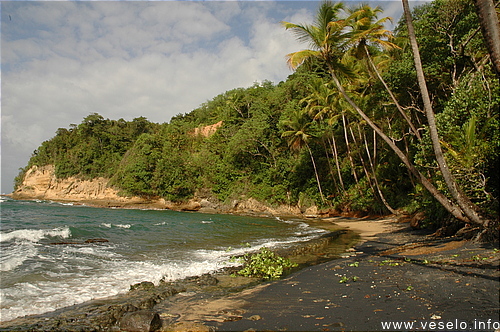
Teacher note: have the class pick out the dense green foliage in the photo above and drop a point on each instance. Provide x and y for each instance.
(93, 148)
(264, 264)
(300, 143)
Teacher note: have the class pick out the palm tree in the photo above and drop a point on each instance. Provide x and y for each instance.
(462, 200)
(329, 39)
(299, 135)
(366, 31)
(324, 102)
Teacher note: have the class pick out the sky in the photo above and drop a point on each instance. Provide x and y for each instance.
(63, 60)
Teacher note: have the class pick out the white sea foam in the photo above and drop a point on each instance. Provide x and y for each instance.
(73, 288)
(15, 255)
(35, 235)
(109, 225)
(161, 223)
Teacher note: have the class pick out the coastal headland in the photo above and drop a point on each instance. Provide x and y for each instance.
(388, 276)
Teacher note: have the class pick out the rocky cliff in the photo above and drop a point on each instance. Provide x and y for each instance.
(41, 183)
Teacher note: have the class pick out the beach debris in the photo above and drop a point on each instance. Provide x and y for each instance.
(255, 317)
(434, 316)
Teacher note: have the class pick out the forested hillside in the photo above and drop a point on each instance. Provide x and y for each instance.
(348, 130)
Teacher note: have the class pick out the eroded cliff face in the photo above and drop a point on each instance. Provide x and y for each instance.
(41, 183)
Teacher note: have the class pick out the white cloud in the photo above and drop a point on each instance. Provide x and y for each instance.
(64, 60)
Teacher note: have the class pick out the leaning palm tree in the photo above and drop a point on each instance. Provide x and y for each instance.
(368, 30)
(468, 208)
(298, 135)
(329, 38)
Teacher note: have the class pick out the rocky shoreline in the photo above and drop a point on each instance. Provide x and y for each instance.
(41, 183)
(145, 306)
(390, 272)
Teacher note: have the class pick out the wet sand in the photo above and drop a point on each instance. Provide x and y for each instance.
(394, 275)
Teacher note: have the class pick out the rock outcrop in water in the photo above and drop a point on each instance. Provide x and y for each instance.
(42, 183)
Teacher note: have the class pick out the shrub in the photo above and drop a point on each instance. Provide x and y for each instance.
(264, 264)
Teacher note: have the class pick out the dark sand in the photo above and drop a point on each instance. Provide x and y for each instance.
(399, 275)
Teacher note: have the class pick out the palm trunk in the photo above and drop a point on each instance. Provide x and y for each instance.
(372, 166)
(462, 200)
(400, 109)
(442, 199)
(349, 155)
(316, 174)
(490, 27)
(337, 164)
(330, 167)
(367, 174)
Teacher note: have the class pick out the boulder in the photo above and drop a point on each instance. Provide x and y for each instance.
(311, 212)
(140, 321)
(145, 285)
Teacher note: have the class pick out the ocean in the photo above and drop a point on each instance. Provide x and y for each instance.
(47, 261)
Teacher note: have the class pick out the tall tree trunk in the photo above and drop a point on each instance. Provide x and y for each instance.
(462, 200)
(316, 173)
(400, 109)
(330, 167)
(372, 166)
(337, 164)
(490, 27)
(349, 154)
(442, 199)
(357, 145)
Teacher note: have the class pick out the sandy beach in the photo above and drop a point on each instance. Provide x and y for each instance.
(393, 276)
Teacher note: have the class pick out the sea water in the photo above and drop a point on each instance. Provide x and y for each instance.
(45, 262)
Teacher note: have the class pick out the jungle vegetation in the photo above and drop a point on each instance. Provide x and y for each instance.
(360, 125)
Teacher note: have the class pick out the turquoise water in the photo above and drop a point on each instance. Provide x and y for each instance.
(45, 263)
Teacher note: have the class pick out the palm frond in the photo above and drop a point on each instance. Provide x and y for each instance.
(295, 59)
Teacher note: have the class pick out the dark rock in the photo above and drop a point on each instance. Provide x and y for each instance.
(140, 321)
(113, 314)
(166, 292)
(147, 303)
(96, 241)
(203, 280)
(206, 280)
(145, 285)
